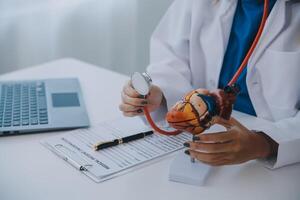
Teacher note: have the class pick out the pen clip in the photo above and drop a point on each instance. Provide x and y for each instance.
(68, 155)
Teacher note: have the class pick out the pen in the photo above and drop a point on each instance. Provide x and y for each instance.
(104, 145)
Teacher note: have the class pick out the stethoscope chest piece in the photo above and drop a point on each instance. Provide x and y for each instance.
(141, 82)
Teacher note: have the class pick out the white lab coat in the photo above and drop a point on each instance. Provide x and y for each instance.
(187, 51)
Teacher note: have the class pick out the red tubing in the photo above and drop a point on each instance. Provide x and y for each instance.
(254, 44)
(233, 80)
(156, 128)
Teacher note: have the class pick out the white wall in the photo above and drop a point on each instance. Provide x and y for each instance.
(110, 33)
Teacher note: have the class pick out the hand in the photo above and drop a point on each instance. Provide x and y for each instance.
(133, 103)
(234, 146)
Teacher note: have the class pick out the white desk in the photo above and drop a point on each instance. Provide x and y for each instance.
(30, 171)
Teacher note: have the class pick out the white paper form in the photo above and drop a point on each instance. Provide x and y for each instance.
(76, 147)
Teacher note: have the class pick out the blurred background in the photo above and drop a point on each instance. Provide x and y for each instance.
(110, 33)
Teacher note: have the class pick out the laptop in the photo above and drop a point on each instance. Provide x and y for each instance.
(41, 105)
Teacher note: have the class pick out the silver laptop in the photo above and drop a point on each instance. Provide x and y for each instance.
(41, 105)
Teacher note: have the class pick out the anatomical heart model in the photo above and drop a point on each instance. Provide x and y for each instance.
(201, 108)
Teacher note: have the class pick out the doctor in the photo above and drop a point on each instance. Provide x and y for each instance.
(200, 44)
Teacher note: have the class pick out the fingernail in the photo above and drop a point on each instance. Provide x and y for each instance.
(187, 152)
(139, 111)
(144, 102)
(196, 138)
(186, 144)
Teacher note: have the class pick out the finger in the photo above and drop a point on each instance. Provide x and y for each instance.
(219, 137)
(133, 101)
(210, 147)
(129, 108)
(207, 157)
(130, 91)
(220, 162)
(132, 114)
(223, 122)
(235, 122)
(233, 125)
(228, 124)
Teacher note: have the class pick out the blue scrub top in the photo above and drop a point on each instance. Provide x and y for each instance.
(245, 25)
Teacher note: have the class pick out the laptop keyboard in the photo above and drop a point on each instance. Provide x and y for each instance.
(23, 104)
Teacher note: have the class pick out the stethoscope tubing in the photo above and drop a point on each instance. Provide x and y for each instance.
(232, 81)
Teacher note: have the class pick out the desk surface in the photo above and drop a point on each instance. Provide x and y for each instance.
(30, 171)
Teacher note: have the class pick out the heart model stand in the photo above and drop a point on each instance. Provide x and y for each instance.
(184, 171)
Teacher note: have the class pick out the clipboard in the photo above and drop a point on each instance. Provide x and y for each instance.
(78, 163)
(73, 148)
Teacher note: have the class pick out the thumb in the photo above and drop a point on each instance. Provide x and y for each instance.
(235, 122)
(224, 122)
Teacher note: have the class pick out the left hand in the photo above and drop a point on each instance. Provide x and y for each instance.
(234, 146)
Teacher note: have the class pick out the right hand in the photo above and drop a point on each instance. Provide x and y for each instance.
(133, 103)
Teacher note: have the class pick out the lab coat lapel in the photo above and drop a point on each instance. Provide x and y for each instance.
(275, 23)
(225, 19)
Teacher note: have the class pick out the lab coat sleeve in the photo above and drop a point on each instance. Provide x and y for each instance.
(169, 55)
(286, 133)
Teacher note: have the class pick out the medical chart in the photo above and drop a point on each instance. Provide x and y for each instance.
(75, 147)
